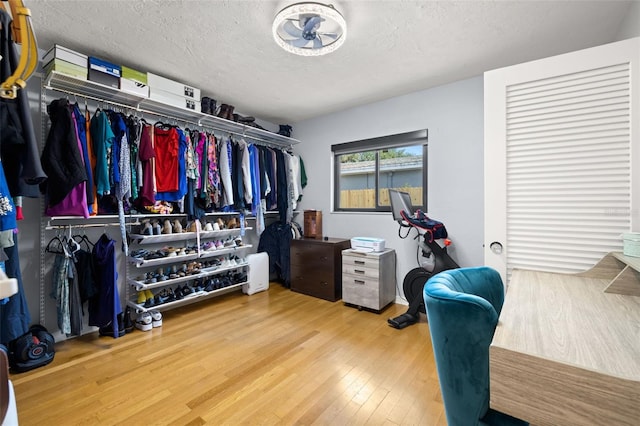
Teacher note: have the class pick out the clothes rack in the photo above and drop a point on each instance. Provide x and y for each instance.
(115, 97)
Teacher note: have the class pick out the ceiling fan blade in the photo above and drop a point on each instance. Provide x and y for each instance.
(331, 35)
(312, 24)
(317, 42)
(291, 29)
(300, 42)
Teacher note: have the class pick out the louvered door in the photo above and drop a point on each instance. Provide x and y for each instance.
(561, 159)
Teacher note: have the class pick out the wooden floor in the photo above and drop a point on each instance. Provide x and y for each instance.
(275, 357)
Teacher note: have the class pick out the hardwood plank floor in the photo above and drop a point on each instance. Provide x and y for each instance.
(276, 357)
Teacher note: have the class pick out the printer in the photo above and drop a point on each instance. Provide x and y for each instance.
(367, 244)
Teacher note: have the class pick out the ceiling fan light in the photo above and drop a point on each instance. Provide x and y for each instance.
(332, 19)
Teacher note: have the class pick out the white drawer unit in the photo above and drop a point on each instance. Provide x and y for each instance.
(368, 279)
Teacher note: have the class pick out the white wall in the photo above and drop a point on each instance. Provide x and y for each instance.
(453, 115)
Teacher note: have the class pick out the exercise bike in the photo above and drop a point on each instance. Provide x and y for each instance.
(434, 256)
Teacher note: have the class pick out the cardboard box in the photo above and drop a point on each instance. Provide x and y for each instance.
(164, 84)
(104, 72)
(67, 68)
(65, 54)
(173, 99)
(135, 75)
(313, 224)
(134, 87)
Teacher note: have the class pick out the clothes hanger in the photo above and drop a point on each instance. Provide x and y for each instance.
(55, 245)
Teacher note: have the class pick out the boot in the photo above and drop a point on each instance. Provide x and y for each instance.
(224, 110)
(285, 130)
(230, 112)
(213, 105)
(205, 105)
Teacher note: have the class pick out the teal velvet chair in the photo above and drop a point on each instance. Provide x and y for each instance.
(463, 306)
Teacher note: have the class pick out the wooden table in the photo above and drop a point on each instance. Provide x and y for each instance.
(567, 352)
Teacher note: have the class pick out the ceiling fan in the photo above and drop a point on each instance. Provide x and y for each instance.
(309, 29)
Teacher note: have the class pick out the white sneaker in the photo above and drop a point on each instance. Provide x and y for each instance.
(156, 318)
(144, 321)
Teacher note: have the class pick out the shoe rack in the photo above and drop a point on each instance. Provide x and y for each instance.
(185, 262)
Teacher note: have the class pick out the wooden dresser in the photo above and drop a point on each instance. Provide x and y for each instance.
(316, 267)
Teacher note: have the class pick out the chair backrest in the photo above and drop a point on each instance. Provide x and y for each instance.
(463, 306)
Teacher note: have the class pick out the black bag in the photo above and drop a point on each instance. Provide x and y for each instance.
(31, 350)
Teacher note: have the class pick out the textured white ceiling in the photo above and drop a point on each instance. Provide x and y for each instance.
(393, 47)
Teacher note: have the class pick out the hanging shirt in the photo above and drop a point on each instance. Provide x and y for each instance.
(225, 173)
(146, 153)
(102, 138)
(82, 136)
(167, 149)
(182, 172)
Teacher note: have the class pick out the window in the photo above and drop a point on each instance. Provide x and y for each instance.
(365, 170)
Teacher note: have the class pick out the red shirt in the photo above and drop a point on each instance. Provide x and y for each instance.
(166, 147)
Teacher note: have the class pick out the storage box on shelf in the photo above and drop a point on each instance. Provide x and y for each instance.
(104, 72)
(133, 81)
(204, 263)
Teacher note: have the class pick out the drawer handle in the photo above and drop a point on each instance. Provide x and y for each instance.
(359, 262)
(358, 271)
(358, 281)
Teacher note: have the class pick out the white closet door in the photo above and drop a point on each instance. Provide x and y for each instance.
(562, 159)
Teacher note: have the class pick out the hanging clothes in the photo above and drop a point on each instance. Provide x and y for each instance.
(178, 195)
(82, 137)
(225, 163)
(105, 307)
(18, 144)
(75, 201)
(167, 147)
(15, 318)
(102, 137)
(147, 154)
(66, 293)
(61, 157)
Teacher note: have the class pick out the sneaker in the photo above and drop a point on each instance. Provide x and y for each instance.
(156, 318)
(144, 321)
(208, 226)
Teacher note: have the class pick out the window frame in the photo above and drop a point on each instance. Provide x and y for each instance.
(400, 140)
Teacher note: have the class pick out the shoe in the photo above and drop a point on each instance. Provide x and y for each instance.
(213, 106)
(156, 318)
(177, 226)
(142, 297)
(215, 226)
(147, 229)
(157, 229)
(285, 130)
(205, 105)
(167, 229)
(107, 330)
(126, 321)
(232, 223)
(223, 112)
(194, 226)
(208, 226)
(144, 321)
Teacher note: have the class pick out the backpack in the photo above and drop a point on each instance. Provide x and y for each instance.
(31, 350)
